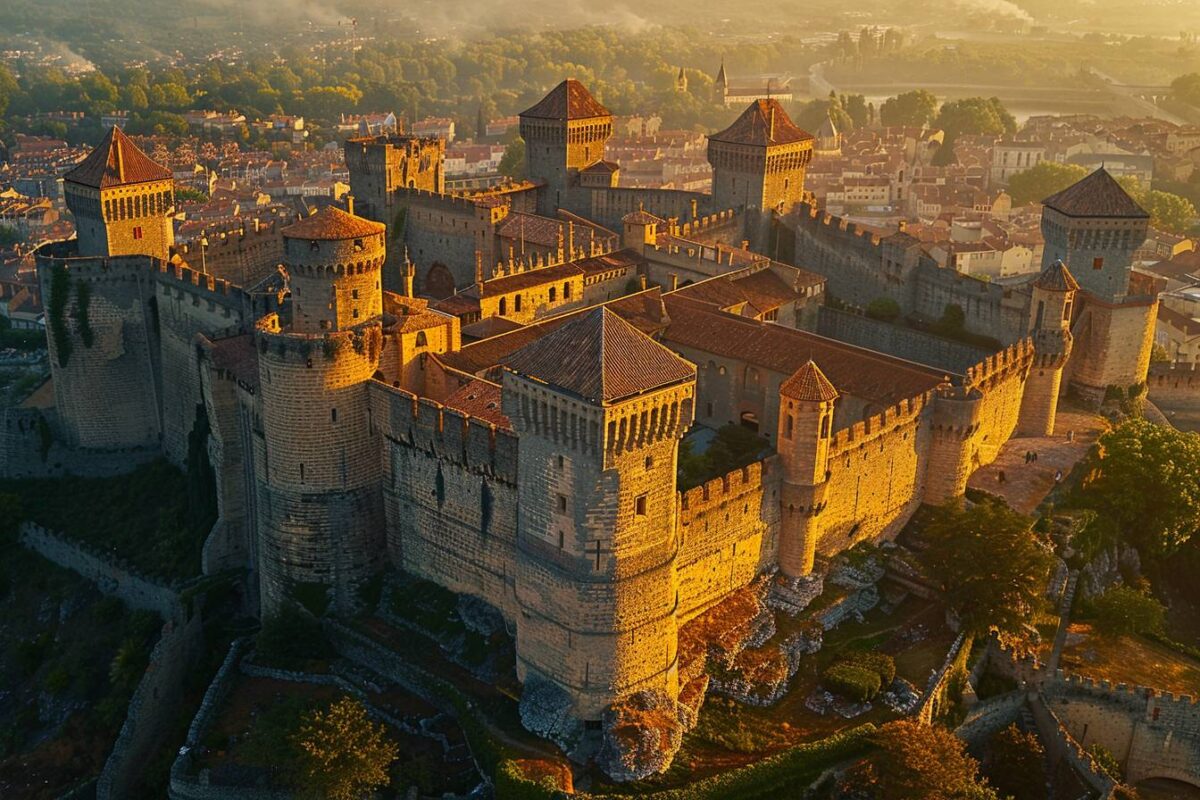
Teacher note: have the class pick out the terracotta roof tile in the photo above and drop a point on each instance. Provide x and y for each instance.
(116, 161)
(1057, 278)
(1097, 195)
(763, 123)
(480, 399)
(641, 217)
(331, 223)
(569, 100)
(856, 371)
(808, 384)
(601, 358)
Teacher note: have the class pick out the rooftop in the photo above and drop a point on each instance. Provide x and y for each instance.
(600, 358)
(332, 224)
(569, 100)
(116, 161)
(808, 384)
(1097, 195)
(763, 123)
(1057, 278)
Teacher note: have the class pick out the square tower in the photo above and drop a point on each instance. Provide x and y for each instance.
(1094, 227)
(759, 161)
(565, 132)
(122, 201)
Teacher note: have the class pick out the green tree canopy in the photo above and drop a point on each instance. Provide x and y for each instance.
(990, 563)
(1039, 182)
(916, 108)
(1014, 763)
(925, 762)
(344, 755)
(512, 163)
(1123, 609)
(1147, 478)
(975, 115)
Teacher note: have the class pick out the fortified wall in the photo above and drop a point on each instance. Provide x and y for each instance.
(243, 255)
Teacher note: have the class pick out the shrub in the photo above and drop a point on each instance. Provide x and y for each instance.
(883, 308)
(1122, 609)
(856, 683)
(880, 663)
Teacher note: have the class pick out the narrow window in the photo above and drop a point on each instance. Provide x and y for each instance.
(354, 294)
(503, 306)
(562, 504)
(1097, 263)
(566, 291)
(302, 473)
(787, 433)
(561, 540)
(333, 415)
(553, 294)
(517, 303)
(561, 462)
(137, 232)
(639, 505)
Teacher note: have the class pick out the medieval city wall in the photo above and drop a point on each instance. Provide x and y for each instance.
(449, 488)
(897, 340)
(990, 309)
(728, 534)
(243, 255)
(1176, 386)
(446, 230)
(876, 476)
(610, 205)
(1112, 345)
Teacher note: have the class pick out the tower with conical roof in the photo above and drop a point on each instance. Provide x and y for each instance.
(599, 408)
(806, 401)
(1053, 299)
(122, 201)
(319, 501)
(721, 84)
(565, 132)
(759, 161)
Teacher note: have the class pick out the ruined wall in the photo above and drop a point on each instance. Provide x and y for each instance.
(728, 534)
(449, 489)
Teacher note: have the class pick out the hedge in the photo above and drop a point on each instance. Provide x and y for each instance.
(880, 663)
(856, 683)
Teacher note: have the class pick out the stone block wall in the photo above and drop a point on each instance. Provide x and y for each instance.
(1112, 346)
(1174, 385)
(898, 341)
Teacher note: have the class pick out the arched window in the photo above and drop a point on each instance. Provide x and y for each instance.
(503, 306)
(422, 339)
(553, 294)
(566, 291)
(517, 303)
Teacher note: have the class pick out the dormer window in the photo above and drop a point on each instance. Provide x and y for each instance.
(314, 246)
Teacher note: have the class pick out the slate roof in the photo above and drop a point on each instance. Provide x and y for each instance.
(1097, 195)
(808, 384)
(116, 161)
(763, 123)
(601, 358)
(1057, 278)
(331, 223)
(569, 100)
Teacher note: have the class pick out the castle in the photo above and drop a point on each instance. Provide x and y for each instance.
(425, 386)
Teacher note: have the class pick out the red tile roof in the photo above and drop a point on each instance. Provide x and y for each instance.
(763, 123)
(600, 358)
(331, 224)
(856, 371)
(480, 399)
(569, 100)
(116, 161)
(1097, 195)
(808, 384)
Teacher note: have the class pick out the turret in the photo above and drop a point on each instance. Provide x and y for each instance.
(565, 132)
(599, 408)
(806, 402)
(639, 230)
(1052, 298)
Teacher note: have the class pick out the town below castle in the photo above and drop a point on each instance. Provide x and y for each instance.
(495, 389)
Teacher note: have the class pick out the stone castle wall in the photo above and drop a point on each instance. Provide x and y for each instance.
(898, 340)
(1112, 345)
(243, 255)
(1174, 385)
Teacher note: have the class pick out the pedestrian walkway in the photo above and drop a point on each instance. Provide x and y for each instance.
(1027, 484)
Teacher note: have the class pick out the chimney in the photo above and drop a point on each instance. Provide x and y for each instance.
(674, 281)
(642, 280)
(349, 203)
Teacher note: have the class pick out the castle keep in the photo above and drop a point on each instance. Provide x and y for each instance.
(498, 407)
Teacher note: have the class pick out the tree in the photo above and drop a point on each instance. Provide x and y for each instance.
(925, 762)
(512, 163)
(1123, 609)
(990, 564)
(1147, 478)
(1186, 88)
(914, 109)
(344, 755)
(975, 116)
(884, 308)
(1015, 764)
(1039, 182)
(1168, 212)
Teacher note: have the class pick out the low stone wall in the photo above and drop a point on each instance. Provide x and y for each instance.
(152, 708)
(935, 693)
(120, 581)
(990, 716)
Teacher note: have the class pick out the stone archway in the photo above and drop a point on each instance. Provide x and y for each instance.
(438, 282)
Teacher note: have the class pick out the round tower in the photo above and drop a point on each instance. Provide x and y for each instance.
(320, 506)
(806, 402)
(599, 408)
(1053, 295)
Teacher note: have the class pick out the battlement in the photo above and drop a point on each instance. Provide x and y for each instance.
(447, 433)
(327, 346)
(721, 219)
(231, 237)
(812, 216)
(474, 205)
(999, 365)
(1136, 696)
(730, 486)
(1177, 375)
(892, 417)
